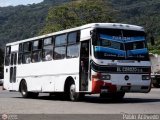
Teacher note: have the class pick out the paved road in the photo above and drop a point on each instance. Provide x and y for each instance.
(133, 103)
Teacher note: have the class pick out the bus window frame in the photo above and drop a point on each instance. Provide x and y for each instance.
(50, 56)
(7, 55)
(36, 54)
(77, 43)
(25, 52)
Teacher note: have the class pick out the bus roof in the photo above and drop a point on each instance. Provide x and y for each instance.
(91, 25)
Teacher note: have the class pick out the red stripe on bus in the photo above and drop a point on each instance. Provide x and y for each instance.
(98, 84)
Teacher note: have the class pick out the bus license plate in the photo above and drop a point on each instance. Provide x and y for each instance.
(125, 88)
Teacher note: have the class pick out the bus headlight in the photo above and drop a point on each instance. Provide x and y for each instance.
(145, 77)
(106, 77)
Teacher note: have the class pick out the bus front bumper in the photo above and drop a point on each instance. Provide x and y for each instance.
(100, 86)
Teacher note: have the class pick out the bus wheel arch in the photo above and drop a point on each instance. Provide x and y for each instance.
(24, 90)
(70, 89)
(21, 82)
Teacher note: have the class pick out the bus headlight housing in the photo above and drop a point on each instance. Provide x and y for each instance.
(146, 77)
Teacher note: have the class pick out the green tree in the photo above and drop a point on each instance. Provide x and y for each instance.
(141, 12)
(76, 13)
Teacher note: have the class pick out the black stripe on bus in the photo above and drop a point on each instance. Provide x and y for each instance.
(116, 69)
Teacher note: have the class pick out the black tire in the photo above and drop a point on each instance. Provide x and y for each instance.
(81, 96)
(118, 95)
(24, 91)
(105, 95)
(73, 95)
(114, 96)
(33, 94)
(156, 85)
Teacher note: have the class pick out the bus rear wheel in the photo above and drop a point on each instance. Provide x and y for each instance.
(25, 93)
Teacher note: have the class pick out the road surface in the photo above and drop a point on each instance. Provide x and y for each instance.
(133, 103)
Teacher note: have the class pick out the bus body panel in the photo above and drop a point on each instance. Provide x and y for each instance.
(86, 34)
(52, 73)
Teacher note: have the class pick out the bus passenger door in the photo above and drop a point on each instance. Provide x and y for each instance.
(84, 65)
(13, 70)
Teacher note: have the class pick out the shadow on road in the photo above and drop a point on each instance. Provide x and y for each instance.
(122, 101)
(98, 100)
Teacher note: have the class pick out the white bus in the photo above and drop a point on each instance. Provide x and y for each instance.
(99, 58)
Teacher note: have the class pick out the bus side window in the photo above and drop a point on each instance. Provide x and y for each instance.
(7, 56)
(73, 51)
(26, 57)
(59, 52)
(36, 56)
(60, 46)
(20, 52)
(73, 45)
(47, 53)
(19, 58)
(36, 51)
(47, 49)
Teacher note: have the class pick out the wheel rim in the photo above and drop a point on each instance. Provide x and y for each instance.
(72, 92)
(24, 89)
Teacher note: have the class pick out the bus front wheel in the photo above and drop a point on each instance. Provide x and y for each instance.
(72, 93)
(118, 95)
(114, 96)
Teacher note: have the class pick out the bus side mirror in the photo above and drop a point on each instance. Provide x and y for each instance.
(152, 40)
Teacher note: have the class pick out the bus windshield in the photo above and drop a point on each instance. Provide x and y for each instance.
(120, 44)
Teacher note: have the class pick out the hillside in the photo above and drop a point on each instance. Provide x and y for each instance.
(23, 22)
(77, 13)
(141, 12)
